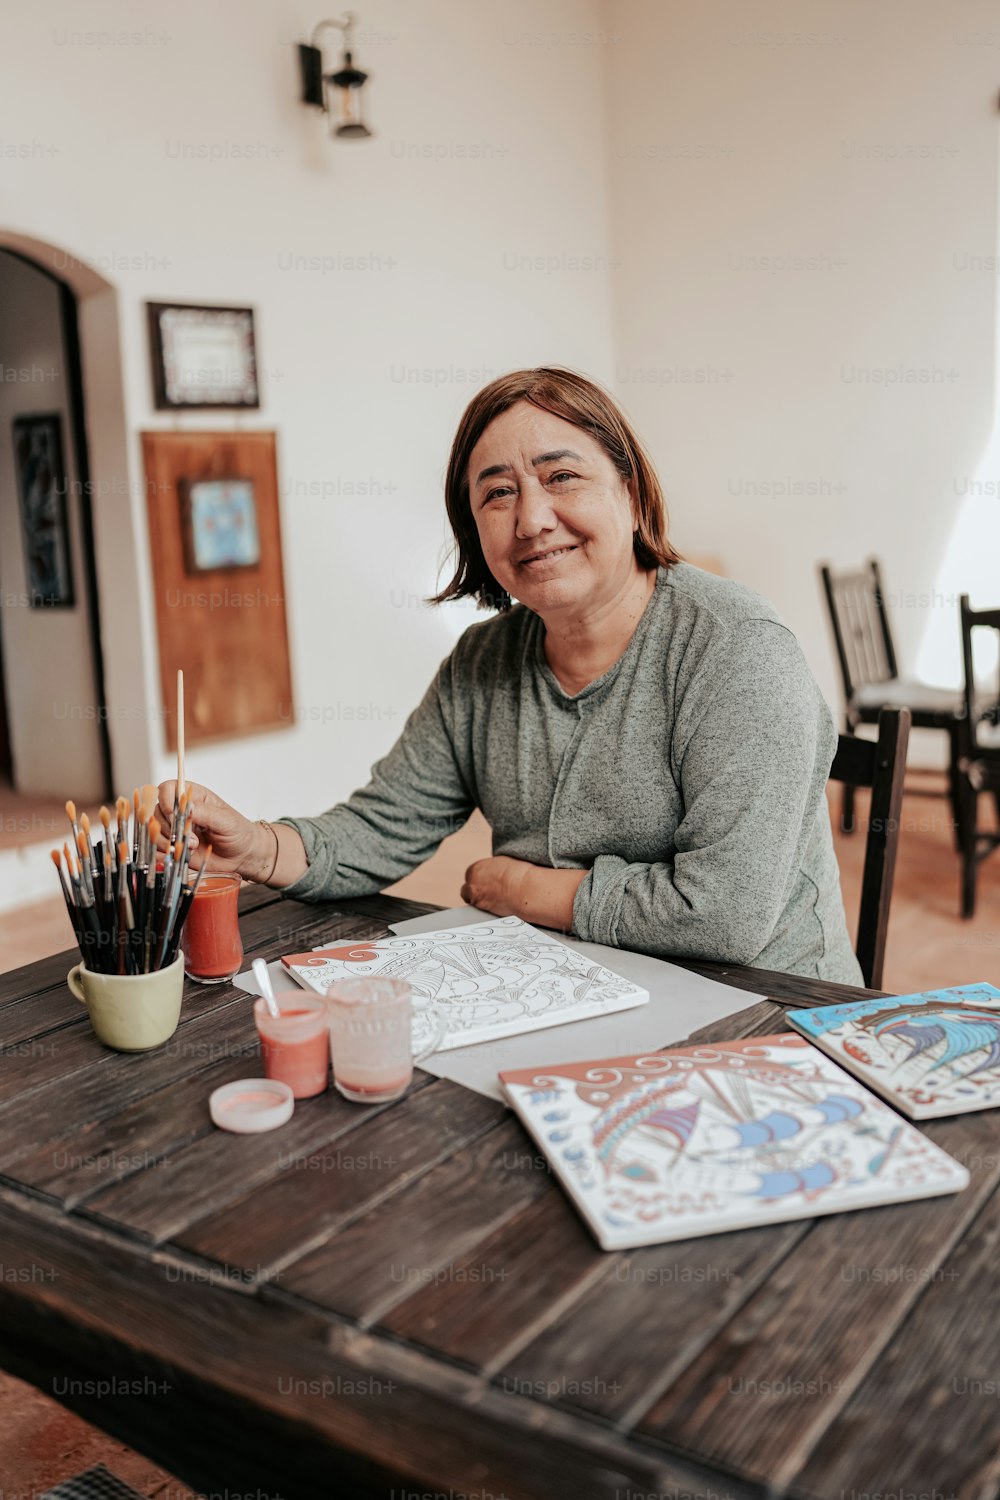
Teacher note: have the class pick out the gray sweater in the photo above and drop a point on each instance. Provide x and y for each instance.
(688, 780)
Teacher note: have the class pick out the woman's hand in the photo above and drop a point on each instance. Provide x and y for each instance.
(238, 845)
(516, 888)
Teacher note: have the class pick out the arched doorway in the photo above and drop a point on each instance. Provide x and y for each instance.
(108, 513)
(53, 727)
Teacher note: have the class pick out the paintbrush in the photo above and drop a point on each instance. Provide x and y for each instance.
(182, 867)
(185, 906)
(70, 906)
(150, 897)
(86, 872)
(92, 944)
(85, 825)
(170, 901)
(122, 934)
(107, 843)
(181, 783)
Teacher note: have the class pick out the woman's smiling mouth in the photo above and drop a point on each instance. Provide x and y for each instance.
(550, 555)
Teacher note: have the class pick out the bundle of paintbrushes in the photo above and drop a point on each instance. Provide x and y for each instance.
(128, 914)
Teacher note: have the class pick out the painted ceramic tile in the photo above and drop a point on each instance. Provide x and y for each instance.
(697, 1140)
(492, 979)
(935, 1053)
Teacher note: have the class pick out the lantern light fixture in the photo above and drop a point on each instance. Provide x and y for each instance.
(338, 94)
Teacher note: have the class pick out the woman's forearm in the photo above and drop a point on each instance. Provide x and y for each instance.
(514, 888)
(547, 896)
(277, 858)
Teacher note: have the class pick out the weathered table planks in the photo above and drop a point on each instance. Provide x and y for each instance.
(402, 1298)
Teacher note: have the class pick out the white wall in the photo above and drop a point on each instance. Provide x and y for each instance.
(48, 663)
(861, 137)
(167, 150)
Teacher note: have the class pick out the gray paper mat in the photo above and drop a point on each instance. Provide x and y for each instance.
(679, 1003)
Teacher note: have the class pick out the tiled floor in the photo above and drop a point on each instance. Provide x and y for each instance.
(928, 945)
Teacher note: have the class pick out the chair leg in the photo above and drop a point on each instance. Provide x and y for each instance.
(955, 786)
(847, 810)
(968, 809)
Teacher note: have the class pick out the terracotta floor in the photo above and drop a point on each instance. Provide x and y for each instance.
(25, 819)
(929, 945)
(42, 1444)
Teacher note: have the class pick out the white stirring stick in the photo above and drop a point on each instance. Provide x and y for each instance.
(263, 978)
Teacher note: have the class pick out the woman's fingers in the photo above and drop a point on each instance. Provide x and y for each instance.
(207, 807)
(212, 821)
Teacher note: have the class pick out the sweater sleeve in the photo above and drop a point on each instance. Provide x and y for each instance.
(417, 795)
(751, 750)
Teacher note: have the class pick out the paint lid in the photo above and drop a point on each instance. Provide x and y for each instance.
(251, 1105)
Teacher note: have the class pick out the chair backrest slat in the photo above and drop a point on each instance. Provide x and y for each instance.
(860, 627)
(975, 713)
(881, 765)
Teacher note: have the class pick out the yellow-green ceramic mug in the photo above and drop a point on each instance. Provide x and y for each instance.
(131, 1012)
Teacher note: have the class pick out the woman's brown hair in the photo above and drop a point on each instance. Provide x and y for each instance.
(578, 400)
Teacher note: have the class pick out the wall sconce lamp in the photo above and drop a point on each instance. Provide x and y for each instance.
(338, 94)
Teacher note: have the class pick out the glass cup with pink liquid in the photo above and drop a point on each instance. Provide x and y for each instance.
(371, 1037)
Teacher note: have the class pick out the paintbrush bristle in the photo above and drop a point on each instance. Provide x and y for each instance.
(71, 811)
(81, 844)
(154, 829)
(55, 856)
(85, 823)
(105, 818)
(122, 854)
(144, 815)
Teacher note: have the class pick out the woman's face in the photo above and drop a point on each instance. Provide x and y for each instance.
(554, 516)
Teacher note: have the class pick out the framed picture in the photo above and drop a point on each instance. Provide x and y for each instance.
(42, 487)
(203, 357)
(219, 521)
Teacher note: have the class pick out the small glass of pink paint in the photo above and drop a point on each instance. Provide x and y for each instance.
(296, 1043)
(371, 1037)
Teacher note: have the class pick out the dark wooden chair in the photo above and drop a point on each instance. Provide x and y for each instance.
(871, 680)
(881, 765)
(979, 763)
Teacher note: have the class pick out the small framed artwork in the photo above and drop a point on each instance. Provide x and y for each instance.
(42, 487)
(203, 357)
(219, 522)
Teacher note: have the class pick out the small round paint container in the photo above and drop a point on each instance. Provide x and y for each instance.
(251, 1105)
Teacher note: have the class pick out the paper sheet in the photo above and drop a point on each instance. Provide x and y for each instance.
(679, 1002)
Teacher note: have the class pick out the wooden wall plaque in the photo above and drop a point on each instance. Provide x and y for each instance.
(225, 626)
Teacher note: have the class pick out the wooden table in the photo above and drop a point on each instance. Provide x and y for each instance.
(401, 1299)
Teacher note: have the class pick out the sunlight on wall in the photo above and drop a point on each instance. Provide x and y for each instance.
(971, 561)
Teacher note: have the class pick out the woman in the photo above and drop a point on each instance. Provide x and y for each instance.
(645, 740)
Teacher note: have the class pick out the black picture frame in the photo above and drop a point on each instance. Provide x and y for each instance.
(42, 486)
(207, 383)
